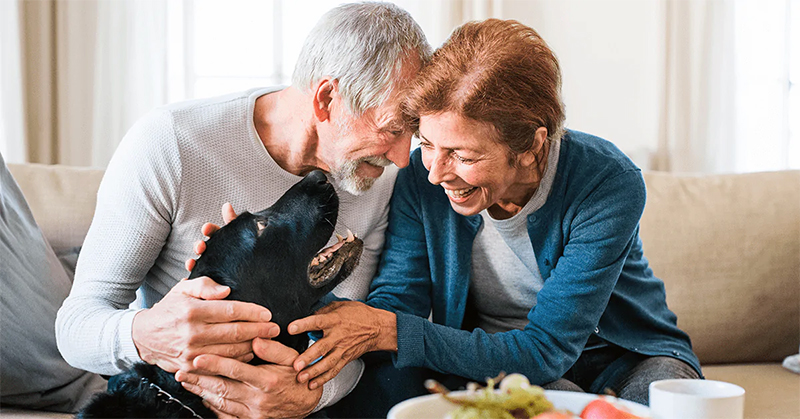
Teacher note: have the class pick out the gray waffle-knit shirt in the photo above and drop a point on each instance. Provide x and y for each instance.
(171, 174)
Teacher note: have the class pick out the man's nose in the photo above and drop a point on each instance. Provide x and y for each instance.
(399, 152)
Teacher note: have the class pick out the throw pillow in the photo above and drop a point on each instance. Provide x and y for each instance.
(34, 284)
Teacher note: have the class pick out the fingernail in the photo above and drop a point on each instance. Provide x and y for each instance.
(299, 367)
(313, 385)
(302, 377)
(293, 329)
(179, 376)
(266, 316)
(275, 331)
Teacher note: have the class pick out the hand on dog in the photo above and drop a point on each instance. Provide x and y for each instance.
(350, 329)
(190, 321)
(237, 389)
(228, 214)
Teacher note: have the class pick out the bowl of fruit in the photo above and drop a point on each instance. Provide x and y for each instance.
(514, 398)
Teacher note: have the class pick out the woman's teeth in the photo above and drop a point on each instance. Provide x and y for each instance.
(459, 193)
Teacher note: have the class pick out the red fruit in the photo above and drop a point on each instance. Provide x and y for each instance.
(553, 415)
(601, 408)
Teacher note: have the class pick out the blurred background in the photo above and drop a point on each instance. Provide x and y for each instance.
(702, 86)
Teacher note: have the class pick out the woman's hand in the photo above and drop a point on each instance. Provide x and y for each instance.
(228, 214)
(350, 330)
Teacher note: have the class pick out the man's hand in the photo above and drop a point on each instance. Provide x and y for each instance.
(190, 321)
(228, 214)
(235, 389)
(350, 330)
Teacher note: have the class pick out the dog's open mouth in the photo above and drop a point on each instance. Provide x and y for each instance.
(335, 262)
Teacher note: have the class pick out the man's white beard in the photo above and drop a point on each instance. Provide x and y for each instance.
(347, 179)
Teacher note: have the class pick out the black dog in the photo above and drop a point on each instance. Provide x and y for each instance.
(269, 258)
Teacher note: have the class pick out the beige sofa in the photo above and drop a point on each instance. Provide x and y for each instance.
(727, 247)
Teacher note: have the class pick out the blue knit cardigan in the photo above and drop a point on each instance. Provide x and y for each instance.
(587, 246)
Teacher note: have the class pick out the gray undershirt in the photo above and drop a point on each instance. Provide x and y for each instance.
(505, 277)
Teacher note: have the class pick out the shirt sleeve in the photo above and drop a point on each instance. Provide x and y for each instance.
(569, 306)
(135, 206)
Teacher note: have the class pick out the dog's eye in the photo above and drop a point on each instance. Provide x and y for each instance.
(261, 225)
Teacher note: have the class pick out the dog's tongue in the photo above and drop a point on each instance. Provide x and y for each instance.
(327, 252)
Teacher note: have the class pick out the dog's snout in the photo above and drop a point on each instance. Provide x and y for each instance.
(318, 176)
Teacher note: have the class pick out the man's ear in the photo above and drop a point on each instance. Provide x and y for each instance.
(326, 89)
(529, 157)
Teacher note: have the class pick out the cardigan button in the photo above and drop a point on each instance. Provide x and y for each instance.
(532, 218)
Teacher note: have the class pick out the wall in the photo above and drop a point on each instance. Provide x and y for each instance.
(611, 54)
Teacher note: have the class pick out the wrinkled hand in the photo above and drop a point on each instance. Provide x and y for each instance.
(350, 329)
(228, 214)
(237, 389)
(191, 320)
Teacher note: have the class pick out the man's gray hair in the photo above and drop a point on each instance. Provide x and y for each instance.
(363, 46)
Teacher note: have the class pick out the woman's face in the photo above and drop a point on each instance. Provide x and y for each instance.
(464, 159)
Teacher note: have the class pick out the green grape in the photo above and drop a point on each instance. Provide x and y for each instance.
(515, 380)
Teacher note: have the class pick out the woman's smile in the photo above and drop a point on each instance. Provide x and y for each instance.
(459, 195)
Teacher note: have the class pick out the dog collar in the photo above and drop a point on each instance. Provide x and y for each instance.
(168, 398)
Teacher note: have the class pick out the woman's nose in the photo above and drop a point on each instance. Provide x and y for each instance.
(437, 172)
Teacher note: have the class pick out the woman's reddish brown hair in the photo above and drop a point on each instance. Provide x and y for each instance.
(495, 71)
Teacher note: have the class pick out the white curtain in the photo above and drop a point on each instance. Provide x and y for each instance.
(130, 69)
(12, 127)
(698, 110)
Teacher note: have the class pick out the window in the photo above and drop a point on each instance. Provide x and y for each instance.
(211, 43)
(767, 77)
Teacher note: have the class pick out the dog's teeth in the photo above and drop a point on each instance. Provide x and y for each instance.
(339, 236)
(350, 235)
(314, 262)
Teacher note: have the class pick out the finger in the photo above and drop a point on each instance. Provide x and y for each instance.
(190, 264)
(230, 350)
(208, 229)
(329, 362)
(226, 311)
(229, 368)
(246, 358)
(324, 378)
(220, 414)
(274, 352)
(310, 323)
(228, 214)
(203, 288)
(199, 247)
(226, 333)
(205, 388)
(319, 349)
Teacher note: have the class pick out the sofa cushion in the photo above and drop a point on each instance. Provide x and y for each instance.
(62, 199)
(33, 373)
(728, 250)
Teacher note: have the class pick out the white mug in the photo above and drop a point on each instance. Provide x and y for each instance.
(696, 399)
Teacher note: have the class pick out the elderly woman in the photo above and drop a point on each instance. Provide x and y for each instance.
(520, 240)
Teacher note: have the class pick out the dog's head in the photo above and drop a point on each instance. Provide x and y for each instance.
(275, 258)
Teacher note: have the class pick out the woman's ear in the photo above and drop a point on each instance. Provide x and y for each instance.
(529, 157)
(326, 89)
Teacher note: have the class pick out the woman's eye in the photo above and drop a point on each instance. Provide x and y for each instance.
(425, 144)
(463, 159)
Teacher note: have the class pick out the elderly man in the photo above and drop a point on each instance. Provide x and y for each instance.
(178, 163)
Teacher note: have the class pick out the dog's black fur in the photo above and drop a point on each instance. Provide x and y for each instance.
(266, 259)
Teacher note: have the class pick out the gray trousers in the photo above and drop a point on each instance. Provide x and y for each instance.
(623, 373)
